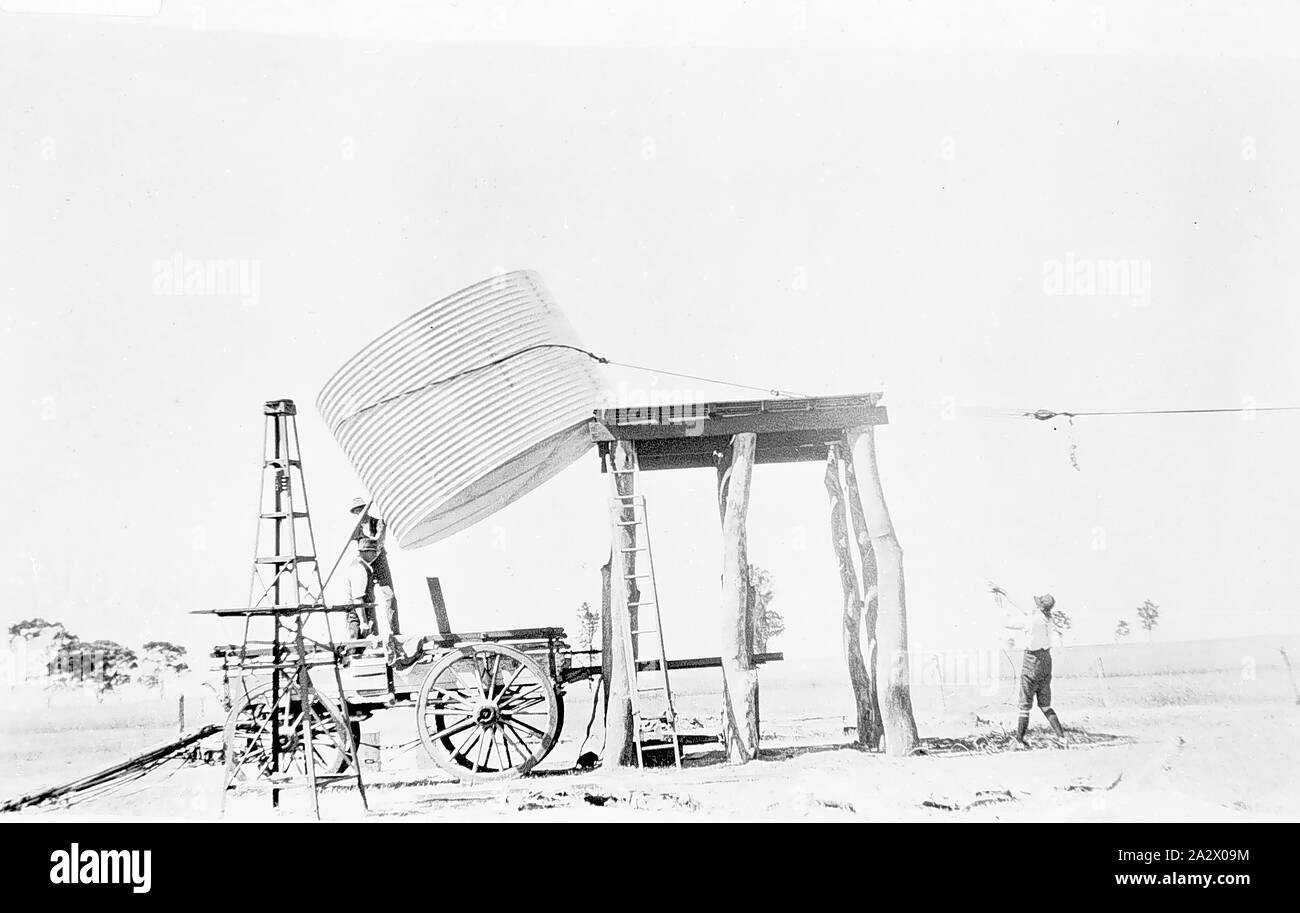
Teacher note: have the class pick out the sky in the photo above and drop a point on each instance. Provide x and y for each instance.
(1059, 206)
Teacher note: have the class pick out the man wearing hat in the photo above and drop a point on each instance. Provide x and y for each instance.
(1036, 670)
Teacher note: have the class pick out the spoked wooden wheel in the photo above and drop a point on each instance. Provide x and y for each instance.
(249, 735)
(487, 712)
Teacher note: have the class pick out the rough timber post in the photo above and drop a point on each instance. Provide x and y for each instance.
(724, 461)
(606, 625)
(739, 676)
(870, 587)
(859, 677)
(892, 672)
(620, 748)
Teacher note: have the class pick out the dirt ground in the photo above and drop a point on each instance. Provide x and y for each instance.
(1165, 746)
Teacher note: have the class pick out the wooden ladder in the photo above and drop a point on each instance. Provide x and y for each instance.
(631, 549)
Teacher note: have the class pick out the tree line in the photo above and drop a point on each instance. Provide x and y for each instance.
(102, 665)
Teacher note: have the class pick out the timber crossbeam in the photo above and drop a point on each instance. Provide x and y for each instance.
(689, 435)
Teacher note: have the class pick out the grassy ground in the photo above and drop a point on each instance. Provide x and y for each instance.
(1160, 731)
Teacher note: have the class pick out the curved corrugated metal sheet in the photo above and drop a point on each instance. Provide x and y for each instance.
(440, 450)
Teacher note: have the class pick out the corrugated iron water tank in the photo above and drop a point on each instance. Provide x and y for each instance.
(464, 407)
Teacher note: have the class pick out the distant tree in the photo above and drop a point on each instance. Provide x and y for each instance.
(46, 645)
(1061, 622)
(106, 665)
(768, 623)
(162, 660)
(1149, 616)
(588, 624)
(38, 629)
(1121, 630)
(30, 628)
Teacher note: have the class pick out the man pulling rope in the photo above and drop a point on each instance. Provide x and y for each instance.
(1036, 670)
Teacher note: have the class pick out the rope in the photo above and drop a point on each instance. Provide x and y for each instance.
(1074, 445)
(599, 359)
(1044, 415)
(707, 380)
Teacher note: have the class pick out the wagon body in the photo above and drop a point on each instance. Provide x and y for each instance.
(488, 705)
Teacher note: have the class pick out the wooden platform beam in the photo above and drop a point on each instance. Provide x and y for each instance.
(724, 419)
(684, 436)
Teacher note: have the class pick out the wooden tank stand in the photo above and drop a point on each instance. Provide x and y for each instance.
(732, 438)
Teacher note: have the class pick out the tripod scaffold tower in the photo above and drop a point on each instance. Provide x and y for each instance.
(288, 726)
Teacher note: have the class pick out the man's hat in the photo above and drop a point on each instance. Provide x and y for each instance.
(358, 505)
(1046, 601)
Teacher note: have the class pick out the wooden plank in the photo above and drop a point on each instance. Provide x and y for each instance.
(684, 413)
(508, 635)
(439, 606)
(700, 452)
(705, 662)
(693, 662)
(505, 635)
(610, 425)
(306, 608)
(689, 737)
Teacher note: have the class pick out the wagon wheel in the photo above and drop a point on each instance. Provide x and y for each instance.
(248, 735)
(487, 712)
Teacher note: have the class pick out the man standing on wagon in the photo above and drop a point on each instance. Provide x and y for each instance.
(370, 585)
(1036, 670)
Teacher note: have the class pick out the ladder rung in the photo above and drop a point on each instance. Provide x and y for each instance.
(646, 602)
(278, 463)
(283, 514)
(645, 631)
(284, 559)
(635, 548)
(636, 577)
